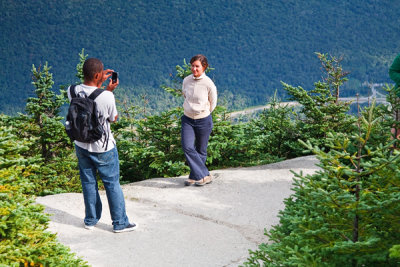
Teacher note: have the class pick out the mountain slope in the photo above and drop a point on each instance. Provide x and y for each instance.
(253, 45)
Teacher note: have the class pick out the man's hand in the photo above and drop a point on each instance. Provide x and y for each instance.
(115, 119)
(106, 74)
(111, 86)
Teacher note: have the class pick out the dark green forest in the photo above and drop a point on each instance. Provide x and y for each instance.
(253, 45)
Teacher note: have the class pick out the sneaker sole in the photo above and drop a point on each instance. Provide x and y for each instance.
(201, 184)
(126, 229)
(89, 227)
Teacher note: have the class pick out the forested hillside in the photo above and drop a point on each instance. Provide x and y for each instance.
(253, 45)
(346, 214)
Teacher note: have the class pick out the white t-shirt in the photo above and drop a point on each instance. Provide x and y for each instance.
(107, 112)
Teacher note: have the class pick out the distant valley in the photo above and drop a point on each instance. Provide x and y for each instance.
(253, 45)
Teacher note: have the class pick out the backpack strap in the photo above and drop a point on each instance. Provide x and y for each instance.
(92, 96)
(72, 91)
(96, 93)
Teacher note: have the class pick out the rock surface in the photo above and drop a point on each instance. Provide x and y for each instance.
(213, 225)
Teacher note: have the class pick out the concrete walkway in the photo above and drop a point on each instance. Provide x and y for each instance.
(214, 225)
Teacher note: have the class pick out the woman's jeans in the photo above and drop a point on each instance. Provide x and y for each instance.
(107, 166)
(194, 138)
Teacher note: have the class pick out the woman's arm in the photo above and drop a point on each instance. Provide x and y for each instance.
(212, 97)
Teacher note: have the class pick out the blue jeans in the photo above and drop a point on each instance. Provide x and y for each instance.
(107, 166)
(194, 138)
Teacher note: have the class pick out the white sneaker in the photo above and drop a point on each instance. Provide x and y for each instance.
(89, 227)
(130, 227)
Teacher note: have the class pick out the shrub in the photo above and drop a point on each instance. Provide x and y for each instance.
(347, 213)
(151, 147)
(23, 235)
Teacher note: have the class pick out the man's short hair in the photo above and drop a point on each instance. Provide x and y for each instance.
(91, 67)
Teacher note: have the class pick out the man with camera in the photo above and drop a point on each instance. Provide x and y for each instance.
(100, 156)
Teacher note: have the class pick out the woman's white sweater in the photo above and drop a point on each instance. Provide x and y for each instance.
(200, 96)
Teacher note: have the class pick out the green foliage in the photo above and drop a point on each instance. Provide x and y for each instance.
(176, 84)
(11, 148)
(35, 159)
(233, 145)
(43, 111)
(79, 66)
(276, 130)
(23, 235)
(23, 238)
(321, 111)
(150, 147)
(395, 252)
(48, 147)
(335, 76)
(347, 213)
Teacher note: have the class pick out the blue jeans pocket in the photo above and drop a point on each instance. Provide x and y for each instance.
(106, 157)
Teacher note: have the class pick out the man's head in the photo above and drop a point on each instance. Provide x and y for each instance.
(92, 70)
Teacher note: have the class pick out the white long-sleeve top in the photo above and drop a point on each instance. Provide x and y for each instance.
(200, 95)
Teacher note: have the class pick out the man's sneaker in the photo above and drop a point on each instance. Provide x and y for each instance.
(204, 181)
(89, 227)
(130, 227)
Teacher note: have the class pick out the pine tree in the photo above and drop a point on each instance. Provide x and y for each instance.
(321, 111)
(79, 66)
(275, 127)
(347, 214)
(58, 166)
(44, 110)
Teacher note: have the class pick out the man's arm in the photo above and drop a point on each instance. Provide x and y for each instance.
(112, 108)
(115, 119)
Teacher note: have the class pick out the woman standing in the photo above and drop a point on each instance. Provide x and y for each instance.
(200, 96)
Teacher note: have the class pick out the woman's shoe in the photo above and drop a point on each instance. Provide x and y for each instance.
(189, 182)
(204, 181)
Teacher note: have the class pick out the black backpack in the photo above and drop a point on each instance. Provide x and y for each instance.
(82, 123)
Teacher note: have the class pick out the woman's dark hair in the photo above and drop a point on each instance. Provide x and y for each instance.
(202, 59)
(91, 67)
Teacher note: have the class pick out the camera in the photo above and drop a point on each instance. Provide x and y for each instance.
(114, 77)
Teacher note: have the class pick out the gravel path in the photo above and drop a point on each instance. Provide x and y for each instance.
(214, 225)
